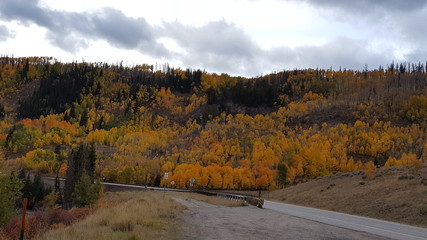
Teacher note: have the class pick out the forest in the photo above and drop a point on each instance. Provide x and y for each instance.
(138, 122)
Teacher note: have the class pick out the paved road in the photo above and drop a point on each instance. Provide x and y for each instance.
(206, 221)
(352, 222)
(363, 224)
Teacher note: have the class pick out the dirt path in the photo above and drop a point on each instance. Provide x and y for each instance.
(206, 221)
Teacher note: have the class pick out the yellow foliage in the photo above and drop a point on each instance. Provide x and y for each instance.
(310, 96)
(406, 159)
(168, 167)
(368, 168)
(40, 160)
(415, 108)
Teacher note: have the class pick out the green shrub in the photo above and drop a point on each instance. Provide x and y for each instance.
(85, 192)
(9, 193)
(34, 189)
(21, 138)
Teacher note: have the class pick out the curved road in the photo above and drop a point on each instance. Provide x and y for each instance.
(361, 224)
(369, 225)
(212, 222)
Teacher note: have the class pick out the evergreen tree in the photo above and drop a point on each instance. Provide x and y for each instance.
(9, 193)
(58, 192)
(101, 124)
(2, 112)
(281, 174)
(33, 189)
(84, 118)
(81, 161)
(85, 192)
(92, 161)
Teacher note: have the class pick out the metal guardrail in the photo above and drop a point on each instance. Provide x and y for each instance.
(115, 187)
(258, 202)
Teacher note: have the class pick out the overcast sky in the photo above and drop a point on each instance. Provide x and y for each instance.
(240, 37)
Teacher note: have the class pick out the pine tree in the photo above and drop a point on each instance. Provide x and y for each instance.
(82, 160)
(9, 192)
(85, 192)
(281, 174)
(2, 112)
(58, 188)
(92, 161)
(84, 118)
(33, 189)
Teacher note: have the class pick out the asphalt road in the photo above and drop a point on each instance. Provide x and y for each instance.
(211, 222)
(363, 224)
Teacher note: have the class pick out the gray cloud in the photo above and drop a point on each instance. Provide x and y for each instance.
(397, 22)
(224, 47)
(5, 33)
(369, 6)
(418, 56)
(121, 31)
(219, 46)
(413, 27)
(342, 52)
(25, 11)
(69, 31)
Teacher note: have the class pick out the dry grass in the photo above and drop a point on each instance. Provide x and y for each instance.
(140, 215)
(396, 194)
(42, 221)
(133, 215)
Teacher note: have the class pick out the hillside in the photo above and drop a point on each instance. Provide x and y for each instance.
(397, 194)
(308, 131)
(227, 132)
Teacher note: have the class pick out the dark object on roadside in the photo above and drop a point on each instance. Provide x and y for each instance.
(406, 177)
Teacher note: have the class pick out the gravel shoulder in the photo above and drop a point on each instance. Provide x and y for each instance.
(206, 221)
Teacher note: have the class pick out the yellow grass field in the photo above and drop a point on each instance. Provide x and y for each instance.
(133, 215)
(141, 215)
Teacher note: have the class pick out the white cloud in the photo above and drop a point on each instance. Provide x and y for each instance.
(241, 37)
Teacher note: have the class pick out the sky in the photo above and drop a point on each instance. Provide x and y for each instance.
(240, 37)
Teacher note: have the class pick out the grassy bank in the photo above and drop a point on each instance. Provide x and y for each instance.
(397, 194)
(140, 215)
(133, 215)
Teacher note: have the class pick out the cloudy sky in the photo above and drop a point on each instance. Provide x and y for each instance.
(240, 37)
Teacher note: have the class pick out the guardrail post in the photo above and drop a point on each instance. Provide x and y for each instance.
(260, 203)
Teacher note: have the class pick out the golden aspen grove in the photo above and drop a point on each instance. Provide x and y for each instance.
(226, 132)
